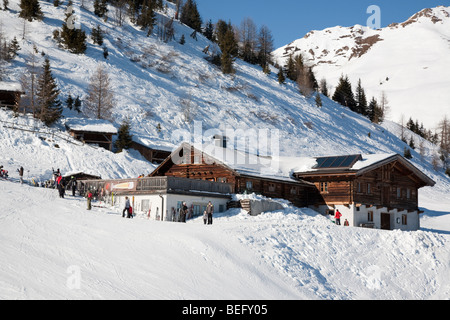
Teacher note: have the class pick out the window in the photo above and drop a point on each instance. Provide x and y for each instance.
(399, 193)
(359, 187)
(145, 205)
(369, 191)
(294, 190)
(271, 187)
(408, 193)
(324, 187)
(404, 219)
(249, 185)
(222, 180)
(370, 216)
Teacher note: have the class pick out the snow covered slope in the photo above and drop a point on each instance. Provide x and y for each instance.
(54, 248)
(408, 61)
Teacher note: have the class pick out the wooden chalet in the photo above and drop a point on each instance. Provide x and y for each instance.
(245, 172)
(152, 154)
(379, 191)
(96, 132)
(10, 94)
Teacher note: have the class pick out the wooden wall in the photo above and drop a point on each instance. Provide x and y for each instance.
(391, 186)
(220, 173)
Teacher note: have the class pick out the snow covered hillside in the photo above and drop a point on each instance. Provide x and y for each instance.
(409, 61)
(54, 248)
(154, 81)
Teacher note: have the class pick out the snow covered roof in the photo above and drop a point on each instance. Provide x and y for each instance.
(362, 165)
(10, 86)
(90, 125)
(275, 168)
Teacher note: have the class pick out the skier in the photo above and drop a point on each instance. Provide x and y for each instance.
(20, 174)
(338, 216)
(89, 197)
(210, 211)
(127, 208)
(73, 183)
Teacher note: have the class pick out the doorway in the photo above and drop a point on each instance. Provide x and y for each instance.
(385, 221)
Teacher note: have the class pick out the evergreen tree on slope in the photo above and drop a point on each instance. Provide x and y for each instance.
(49, 106)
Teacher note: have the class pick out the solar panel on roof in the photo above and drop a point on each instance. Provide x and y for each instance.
(336, 162)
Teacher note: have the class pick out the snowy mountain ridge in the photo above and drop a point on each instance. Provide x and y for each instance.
(407, 61)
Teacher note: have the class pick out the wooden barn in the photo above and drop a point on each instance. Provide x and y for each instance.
(153, 154)
(96, 132)
(246, 173)
(377, 191)
(10, 93)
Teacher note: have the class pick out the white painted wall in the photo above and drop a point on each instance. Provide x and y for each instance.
(142, 203)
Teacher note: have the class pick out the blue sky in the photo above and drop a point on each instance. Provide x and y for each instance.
(292, 19)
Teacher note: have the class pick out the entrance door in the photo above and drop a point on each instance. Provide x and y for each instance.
(385, 221)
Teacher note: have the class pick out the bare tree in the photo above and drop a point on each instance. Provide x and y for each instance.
(100, 100)
(247, 40)
(188, 108)
(28, 80)
(444, 133)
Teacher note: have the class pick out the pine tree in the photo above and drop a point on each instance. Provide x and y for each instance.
(30, 9)
(69, 102)
(318, 100)
(324, 87)
(344, 94)
(97, 35)
(73, 39)
(124, 138)
(227, 44)
(100, 8)
(291, 71)
(190, 15)
(361, 100)
(209, 31)
(147, 18)
(182, 40)
(77, 104)
(281, 77)
(49, 106)
(407, 153)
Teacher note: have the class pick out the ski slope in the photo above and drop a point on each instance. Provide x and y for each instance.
(54, 248)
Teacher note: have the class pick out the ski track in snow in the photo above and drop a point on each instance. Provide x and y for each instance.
(289, 254)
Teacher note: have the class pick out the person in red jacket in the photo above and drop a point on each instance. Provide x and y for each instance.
(338, 216)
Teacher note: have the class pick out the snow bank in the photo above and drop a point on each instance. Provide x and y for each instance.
(55, 249)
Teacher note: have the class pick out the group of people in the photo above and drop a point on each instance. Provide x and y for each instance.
(337, 217)
(62, 183)
(4, 173)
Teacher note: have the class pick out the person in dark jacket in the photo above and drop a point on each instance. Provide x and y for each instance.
(127, 208)
(20, 174)
(183, 212)
(210, 211)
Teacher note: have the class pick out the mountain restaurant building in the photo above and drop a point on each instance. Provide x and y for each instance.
(246, 173)
(375, 191)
